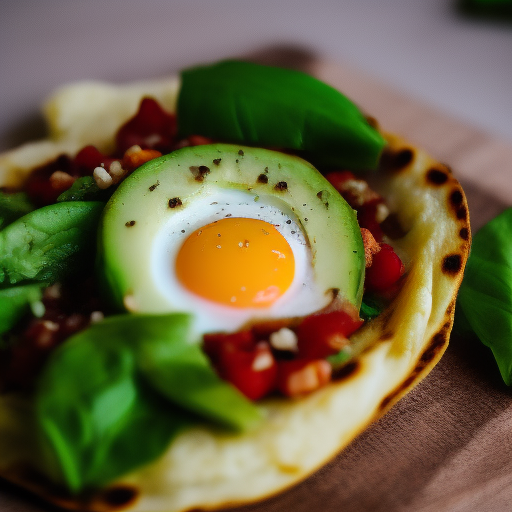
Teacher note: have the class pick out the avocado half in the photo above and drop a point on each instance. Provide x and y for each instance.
(144, 203)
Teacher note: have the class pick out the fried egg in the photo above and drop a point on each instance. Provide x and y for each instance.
(232, 257)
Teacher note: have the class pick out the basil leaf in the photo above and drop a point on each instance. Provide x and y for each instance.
(178, 368)
(273, 107)
(16, 301)
(85, 189)
(48, 243)
(93, 412)
(485, 296)
(118, 382)
(13, 206)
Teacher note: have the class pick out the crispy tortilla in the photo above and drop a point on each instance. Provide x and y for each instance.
(209, 469)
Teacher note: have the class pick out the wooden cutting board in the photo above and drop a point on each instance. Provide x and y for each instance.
(447, 446)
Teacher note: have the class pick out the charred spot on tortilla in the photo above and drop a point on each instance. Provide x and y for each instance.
(153, 187)
(452, 264)
(397, 160)
(462, 213)
(437, 342)
(456, 197)
(386, 336)
(262, 178)
(119, 496)
(464, 234)
(450, 309)
(346, 371)
(130, 223)
(457, 203)
(437, 176)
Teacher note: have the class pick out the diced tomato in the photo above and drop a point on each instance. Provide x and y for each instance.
(253, 372)
(367, 218)
(386, 270)
(216, 343)
(325, 334)
(39, 188)
(150, 128)
(338, 178)
(299, 377)
(248, 365)
(88, 158)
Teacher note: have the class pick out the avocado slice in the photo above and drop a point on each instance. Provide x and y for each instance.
(146, 201)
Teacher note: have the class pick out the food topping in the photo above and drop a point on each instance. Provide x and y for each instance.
(385, 271)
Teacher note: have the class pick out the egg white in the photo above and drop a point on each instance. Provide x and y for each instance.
(303, 296)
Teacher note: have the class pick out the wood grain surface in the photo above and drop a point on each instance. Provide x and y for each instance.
(447, 446)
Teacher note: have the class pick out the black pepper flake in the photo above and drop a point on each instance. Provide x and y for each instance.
(306, 219)
(154, 186)
(183, 231)
(216, 161)
(240, 152)
(262, 178)
(282, 185)
(130, 223)
(236, 160)
(266, 170)
(288, 221)
(199, 172)
(175, 202)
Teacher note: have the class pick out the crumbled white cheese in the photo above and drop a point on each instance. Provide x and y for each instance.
(102, 178)
(284, 339)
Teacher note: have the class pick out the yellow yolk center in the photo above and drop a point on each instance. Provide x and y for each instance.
(238, 262)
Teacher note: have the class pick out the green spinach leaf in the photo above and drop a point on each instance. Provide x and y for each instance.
(247, 103)
(13, 206)
(49, 243)
(485, 296)
(16, 301)
(122, 380)
(85, 189)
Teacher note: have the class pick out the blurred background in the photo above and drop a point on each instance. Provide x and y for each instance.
(428, 50)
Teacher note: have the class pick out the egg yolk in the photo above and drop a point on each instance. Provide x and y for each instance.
(239, 262)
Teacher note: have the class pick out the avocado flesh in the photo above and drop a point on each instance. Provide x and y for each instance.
(145, 201)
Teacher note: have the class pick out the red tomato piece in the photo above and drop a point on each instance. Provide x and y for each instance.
(367, 218)
(88, 158)
(216, 343)
(253, 372)
(40, 189)
(386, 270)
(300, 377)
(150, 128)
(325, 334)
(338, 178)
(248, 365)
